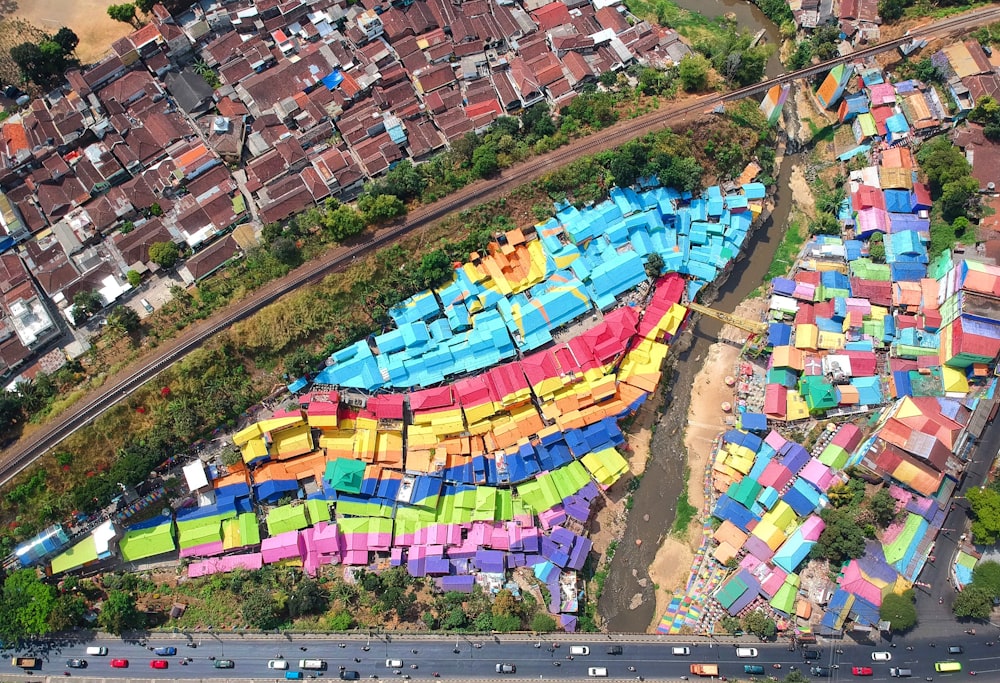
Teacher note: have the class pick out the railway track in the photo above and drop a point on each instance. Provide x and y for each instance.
(25, 451)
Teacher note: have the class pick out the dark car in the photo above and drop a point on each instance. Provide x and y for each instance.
(955, 649)
(165, 651)
(820, 671)
(76, 663)
(224, 664)
(350, 676)
(811, 654)
(615, 650)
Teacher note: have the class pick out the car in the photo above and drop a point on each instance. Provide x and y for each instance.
(224, 664)
(165, 651)
(277, 664)
(881, 656)
(350, 676)
(506, 669)
(810, 654)
(820, 671)
(159, 664)
(76, 663)
(861, 670)
(955, 649)
(294, 675)
(119, 663)
(146, 305)
(615, 650)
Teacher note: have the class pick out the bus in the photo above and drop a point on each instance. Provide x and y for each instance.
(943, 667)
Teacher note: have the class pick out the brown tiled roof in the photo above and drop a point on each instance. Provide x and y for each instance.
(435, 77)
(317, 188)
(134, 246)
(12, 272)
(235, 71)
(12, 353)
(225, 47)
(423, 137)
(50, 265)
(144, 145)
(101, 72)
(546, 68)
(59, 197)
(207, 261)
(551, 15)
(266, 167)
(577, 66)
(293, 201)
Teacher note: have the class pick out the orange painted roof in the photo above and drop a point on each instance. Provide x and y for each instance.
(16, 137)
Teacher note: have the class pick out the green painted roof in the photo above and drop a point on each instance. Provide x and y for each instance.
(319, 510)
(80, 554)
(142, 543)
(896, 551)
(784, 599)
(208, 533)
(345, 474)
(818, 392)
(286, 518)
(249, 529)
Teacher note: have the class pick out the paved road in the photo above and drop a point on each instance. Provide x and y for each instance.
(650, 655)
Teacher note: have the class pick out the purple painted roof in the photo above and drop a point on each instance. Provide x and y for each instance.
(795, 458)
(462, 584)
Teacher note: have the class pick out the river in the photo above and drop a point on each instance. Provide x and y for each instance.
(654, 503)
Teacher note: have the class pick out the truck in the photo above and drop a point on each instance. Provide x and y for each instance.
(25, 662)
(705, 669)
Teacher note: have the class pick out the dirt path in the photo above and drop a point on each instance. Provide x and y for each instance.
(88, 18)
(705, 420)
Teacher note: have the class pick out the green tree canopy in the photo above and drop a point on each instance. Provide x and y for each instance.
(380, 208)
(842, 538)
(124, 319)
(343, 222)
(286, 251)
(653, 266)
(986, 575)
(66, 39)
(900, 611)
(760, 625)
(985, 507)
(133, 277)
(543, 623)
(973, 603)
(308, 597)
(26, 605)
(164, 254)
(124, 13)
(693, 72)
(120, 614)
(260, 609)
(45, 63)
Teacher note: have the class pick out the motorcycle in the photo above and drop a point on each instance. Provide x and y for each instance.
(631, 668)
(556, 663)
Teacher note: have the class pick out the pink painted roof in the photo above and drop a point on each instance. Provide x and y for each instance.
(216, 565)
(812, 528)
(203, 550)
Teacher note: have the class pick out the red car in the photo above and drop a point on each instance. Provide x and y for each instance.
(158, 664)
(119, 663)
(862, 671)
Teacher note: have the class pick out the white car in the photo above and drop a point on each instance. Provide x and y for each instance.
(277, 664)
(881, 656)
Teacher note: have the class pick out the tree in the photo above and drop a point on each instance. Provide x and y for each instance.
(435, 268)
(973, 603)
(504, 604)
(286, 251)
(693, 72)
(537, 120)
(760, 625)
(25, 606)
(85, 304)
(124, 319)
(900, 611)
(67, 612)
(164, 254)
(959, 197)
(120, 614)
(825, 224)
(653, 266)
(133, 277)
(260, 609)
(985, 507)
(45, 63)
(308, 597)
(882, 504)
(891, 10)
(341, 620)
(796, 677)
(145, 6)
(124, 13)
(454, 619)
(11, 413)
(506, 623)
(876, 248)
(842, 538)
(380, 208)
(986, 575)
(543, 623)
(484, 162)
(66, 39)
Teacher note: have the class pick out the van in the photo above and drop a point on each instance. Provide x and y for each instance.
(746, 652)
(900, 673)
(680, 651)
(753, 669)
(294, 675)
(944, 667)
(394, 663)
(581, 650)
(314, 664)
(145, 304)
(597, 672)
(97, 651)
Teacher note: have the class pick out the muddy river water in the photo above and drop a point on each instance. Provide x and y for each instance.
(654, 503)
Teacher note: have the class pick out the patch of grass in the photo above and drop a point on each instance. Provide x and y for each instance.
(692, 25)
(685, 511)
(784, 255)
(922, 9)
(824, 134)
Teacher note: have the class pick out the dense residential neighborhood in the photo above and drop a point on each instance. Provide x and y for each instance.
(311, 101)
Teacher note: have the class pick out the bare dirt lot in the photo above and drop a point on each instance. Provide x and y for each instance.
(88, 18)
